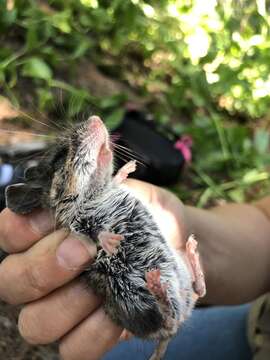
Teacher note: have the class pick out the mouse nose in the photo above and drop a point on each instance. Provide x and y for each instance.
(95, 122)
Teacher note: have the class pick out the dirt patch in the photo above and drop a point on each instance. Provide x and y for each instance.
(12, 346)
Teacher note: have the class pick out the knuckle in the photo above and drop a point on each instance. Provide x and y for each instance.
(6, 281)
(35, 278)
(9, 243)
(9, 299)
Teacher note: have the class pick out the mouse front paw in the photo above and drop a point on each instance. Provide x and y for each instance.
(109, 241)
(123, 173)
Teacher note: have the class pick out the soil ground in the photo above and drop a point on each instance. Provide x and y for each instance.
(12, 346)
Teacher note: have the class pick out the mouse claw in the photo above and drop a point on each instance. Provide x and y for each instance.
(109, 241)
(125, 170)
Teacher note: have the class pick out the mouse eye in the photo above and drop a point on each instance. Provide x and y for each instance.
(59, 158)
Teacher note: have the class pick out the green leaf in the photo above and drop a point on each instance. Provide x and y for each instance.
(81, 49)
(37, 68)
(114, 119)
(237, 195)
(2, 77)
(112, 101)
(31, 37)
(254, 176)
(7, 17)
(77, 100)
(45, 98)
(61, 20)
(261, 141)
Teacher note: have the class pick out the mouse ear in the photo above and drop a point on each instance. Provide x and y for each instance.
(23, 198)
(37, 175)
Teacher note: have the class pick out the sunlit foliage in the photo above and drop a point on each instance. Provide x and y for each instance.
(206, 63)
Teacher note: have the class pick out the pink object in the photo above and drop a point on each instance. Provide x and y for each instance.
(95, 123)
(184, 145)
(115, 137)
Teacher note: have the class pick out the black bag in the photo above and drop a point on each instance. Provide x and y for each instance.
(160, 160)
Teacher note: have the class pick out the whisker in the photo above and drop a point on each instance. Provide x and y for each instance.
(23, 132)
(122, 158)
(129, 156)
(61, 107)
(59, 127)
(114, 137)
(126, 149)
(22, 113)
(41, 122)
(36, 155)
(31, 118)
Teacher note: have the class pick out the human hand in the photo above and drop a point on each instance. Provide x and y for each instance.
(58, 307)
(38, 275)
(167, 210)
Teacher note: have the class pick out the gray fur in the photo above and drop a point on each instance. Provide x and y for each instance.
(120, 278)
(86, 199)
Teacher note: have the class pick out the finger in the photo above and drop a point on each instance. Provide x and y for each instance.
(50, 318)
(140, 189)
(47, 265)
(91, 339)
(166, 209)
(19, 232)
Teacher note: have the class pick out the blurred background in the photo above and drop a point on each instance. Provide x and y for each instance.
(200, 67)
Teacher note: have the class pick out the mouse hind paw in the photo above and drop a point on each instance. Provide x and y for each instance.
(109, 241)
(155, 286)
(194, 260)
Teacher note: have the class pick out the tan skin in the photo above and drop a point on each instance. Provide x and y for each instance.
(56, 306)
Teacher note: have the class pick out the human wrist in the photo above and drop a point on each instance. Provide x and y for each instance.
(194, 220)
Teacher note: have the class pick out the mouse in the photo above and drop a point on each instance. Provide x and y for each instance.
(147, 287)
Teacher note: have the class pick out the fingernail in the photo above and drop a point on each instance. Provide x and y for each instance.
(41, 221)
(74, 252)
